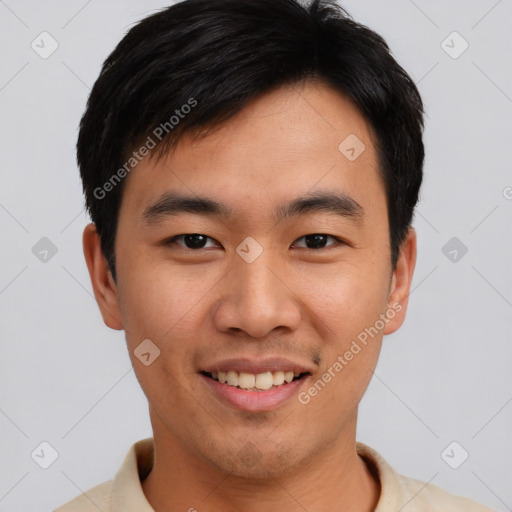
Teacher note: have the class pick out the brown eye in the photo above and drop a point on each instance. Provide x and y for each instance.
(194, 241)
(315, 241)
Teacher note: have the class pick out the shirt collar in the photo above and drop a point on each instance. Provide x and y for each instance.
(127, 493)
(389, 479)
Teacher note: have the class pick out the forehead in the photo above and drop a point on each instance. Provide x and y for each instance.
(283, 144)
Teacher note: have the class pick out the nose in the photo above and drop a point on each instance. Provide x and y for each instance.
(257, 300)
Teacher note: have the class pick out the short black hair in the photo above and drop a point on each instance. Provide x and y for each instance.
(195, 64)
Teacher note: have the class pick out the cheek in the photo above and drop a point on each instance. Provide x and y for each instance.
(347, 310)
(346, 299)
(162, 302)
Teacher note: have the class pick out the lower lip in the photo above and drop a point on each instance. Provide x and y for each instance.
(255, 400)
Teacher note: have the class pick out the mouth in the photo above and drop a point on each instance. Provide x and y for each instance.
(256, 382)
(255, 386)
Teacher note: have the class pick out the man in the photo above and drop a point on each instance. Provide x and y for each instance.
(251, 168)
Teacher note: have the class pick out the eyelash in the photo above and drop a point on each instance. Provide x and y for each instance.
(338, 241)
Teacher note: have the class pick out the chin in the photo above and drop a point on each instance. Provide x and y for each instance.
(251, 463)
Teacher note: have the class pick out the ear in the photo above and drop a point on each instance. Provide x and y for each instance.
(401, 283)
(103, 284)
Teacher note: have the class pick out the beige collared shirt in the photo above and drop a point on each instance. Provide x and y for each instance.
(398, 493)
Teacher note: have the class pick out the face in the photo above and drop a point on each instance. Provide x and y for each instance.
(256, 254)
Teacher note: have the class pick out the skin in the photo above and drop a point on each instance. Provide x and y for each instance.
(307, 304)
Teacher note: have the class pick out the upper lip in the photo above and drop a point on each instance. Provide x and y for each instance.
(256, 366)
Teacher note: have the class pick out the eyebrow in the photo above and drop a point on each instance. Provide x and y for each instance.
(169, 204)
(329, 202)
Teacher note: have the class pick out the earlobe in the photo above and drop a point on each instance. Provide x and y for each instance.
(401, 283)
(104, 287)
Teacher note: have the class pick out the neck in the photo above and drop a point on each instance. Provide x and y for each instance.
(335, 479)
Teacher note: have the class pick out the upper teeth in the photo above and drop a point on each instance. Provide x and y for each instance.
(259, 381)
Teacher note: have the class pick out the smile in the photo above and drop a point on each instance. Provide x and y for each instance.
(255, 382)
(254, 392)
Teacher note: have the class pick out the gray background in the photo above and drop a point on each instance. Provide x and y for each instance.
(445, 376)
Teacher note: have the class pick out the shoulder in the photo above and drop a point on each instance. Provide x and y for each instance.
(97, 498)
(406, 494)
(425, 497)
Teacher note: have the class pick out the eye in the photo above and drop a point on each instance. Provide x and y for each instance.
(193, 241)
(316, 241)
